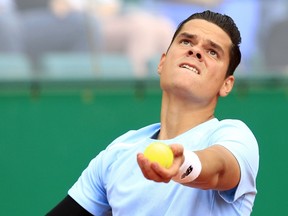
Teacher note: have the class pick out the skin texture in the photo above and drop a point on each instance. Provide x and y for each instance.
(189, 99)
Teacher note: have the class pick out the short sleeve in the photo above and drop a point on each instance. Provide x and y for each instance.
(235, 136)
(89, 190)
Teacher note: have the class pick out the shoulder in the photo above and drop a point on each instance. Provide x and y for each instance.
(233, 130)
(232, 123)
(234, 127)
(237, 137)
(224, 128)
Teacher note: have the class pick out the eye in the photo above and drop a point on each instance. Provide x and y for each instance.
(185, 42)
(213, 53)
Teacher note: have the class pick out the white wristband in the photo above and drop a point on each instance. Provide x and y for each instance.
(190, 169)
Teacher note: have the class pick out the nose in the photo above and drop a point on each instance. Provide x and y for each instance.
(196, 54)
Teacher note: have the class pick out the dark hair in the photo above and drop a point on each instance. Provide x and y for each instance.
(228, 25)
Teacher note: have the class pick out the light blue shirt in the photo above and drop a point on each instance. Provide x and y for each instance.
(113, 182)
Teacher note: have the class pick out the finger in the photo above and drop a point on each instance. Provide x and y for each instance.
(177, 149)
(167, 174)
(163, 174)
(145, 166)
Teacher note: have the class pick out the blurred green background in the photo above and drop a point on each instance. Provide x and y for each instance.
(76, 74)
(50, 132)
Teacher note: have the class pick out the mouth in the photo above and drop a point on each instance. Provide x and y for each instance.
(191, 68)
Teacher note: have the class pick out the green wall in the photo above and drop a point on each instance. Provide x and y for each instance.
(49, 134)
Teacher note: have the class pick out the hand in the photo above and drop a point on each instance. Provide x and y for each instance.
(153, 171)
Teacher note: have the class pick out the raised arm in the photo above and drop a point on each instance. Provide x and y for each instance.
(219, 168)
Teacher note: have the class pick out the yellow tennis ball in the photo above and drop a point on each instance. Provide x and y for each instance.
(160, 153)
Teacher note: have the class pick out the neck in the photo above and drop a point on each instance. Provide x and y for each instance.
(178, 117)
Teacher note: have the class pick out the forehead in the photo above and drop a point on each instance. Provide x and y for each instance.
(207, 31)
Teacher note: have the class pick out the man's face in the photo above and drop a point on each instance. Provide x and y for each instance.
(195, 66)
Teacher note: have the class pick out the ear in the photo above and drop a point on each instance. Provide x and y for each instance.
(227, 86)
(160, 65)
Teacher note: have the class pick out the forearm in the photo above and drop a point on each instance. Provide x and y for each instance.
(220, 169)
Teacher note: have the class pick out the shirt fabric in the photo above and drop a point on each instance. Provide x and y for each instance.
(113, 183)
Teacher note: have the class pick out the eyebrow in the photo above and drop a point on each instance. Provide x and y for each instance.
(210, 42)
